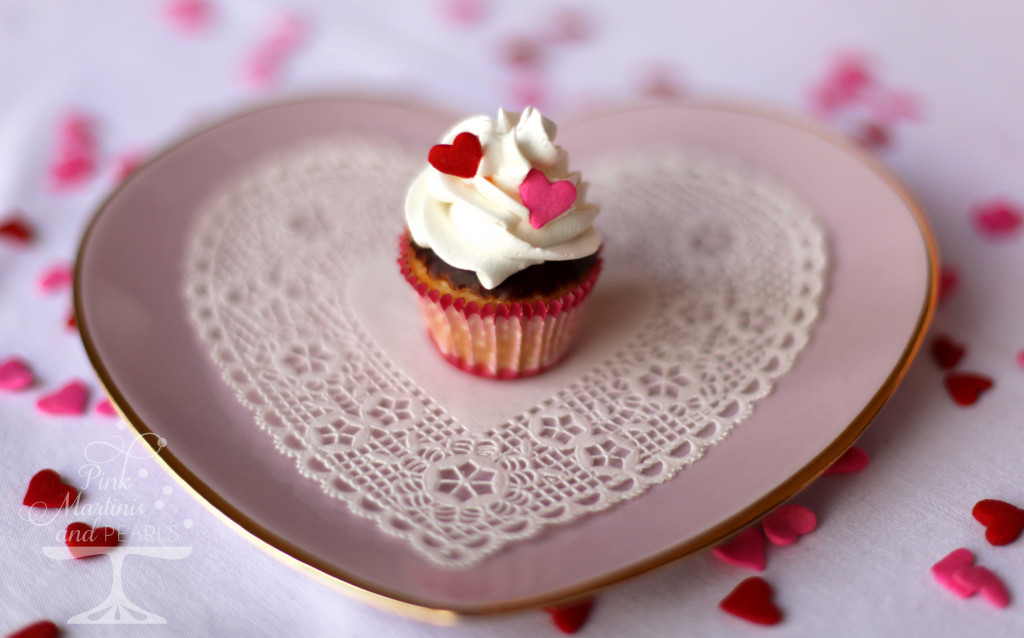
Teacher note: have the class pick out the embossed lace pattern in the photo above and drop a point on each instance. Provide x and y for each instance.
(737, 263)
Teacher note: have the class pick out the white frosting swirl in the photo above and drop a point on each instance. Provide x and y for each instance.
(480, 223)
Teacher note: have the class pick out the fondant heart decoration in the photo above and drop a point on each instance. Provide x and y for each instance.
(852, 461)
(41, 629)
(68, 401)
(461, 158)
(106, 408)
(978, 579)
(571, 617)
(46, 489)
(55, 278)
(746, 549)
(788, 523)
(84, 541)
(943, 571)
(1003, 522)
(752, 600)
(545, 200)
(16, 230)
(966, 387)
(946, 352)
(15, 375)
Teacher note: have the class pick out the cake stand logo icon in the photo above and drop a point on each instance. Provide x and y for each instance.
(108, 470)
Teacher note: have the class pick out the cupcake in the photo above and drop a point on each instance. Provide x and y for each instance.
(500, 246)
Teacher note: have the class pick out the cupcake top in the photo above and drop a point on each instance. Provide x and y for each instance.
(498, 198)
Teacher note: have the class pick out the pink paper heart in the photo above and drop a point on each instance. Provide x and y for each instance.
(746, 549)
(853, 460)
(69, 400)
(944, 570)
(787, 523)
(981, 579)
(545, 200)
(15, 375)
(55, 277)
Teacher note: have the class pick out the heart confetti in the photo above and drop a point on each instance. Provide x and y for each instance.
(966, 387)
(55, 278)
(461, 158)
(997, 218)
(106, 408)
(946, 352)
(751, 600)
(949, 281)
(852, 461)
(1003, 522)
(746, 549)
(978, 579)
(15, 375)
(570, 618)
(16, 230)
(84, 541)
(787, 523)
(46, 489)
(41, 629)
(69, 400)
(943, 571)
(75, 153)
(187, 16)
(545, 200)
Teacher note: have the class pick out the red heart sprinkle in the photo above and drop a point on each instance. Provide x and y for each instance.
(874, 136)
(545, 200)
(68, 400)
(997, 219)
(949, 281)
(752, 600)
(746, 549)
(981, 579)
(84, 541)
(966, 387)
(15, 375)
(71, 323)
(852, 461)
(16, 230)
(571, 617)
(41, 629)
(1003, 522)
(787, 523)
(946, 352)
(46, 489)
(461, 158)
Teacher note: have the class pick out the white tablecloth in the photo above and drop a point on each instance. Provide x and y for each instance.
(950, 73)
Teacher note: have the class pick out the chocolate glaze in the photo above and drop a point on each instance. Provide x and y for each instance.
(541, 279)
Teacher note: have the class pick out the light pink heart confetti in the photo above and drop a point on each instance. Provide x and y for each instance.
(56, 277)
(69, 400)
(978, 579)
(463, 11)
(746, 549)
(15, 375)
(787, 523)
(944, 570)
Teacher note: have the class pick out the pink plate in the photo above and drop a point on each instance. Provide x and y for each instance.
(133, 321)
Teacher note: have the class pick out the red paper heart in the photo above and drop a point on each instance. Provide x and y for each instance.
(853, 460)
(1003, 522)
(45, 489)
(41, 629)
(787, 523)
(68, 400)
(570, 618)
(981, 579)
(461, 158)
(84, 541)
(746, 549)
(545, 200)
(752, 600)
(946, 352)
(966, 387)
(16, 230)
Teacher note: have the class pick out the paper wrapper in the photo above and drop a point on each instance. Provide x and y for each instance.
(502, 339)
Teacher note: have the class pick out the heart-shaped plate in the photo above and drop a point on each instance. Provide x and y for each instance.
(133, 321)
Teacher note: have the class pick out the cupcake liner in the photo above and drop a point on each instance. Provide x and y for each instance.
(501, 339)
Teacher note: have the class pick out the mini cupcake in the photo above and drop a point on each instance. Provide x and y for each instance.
(500, 246)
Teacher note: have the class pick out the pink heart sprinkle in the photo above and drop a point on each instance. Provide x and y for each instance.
(71, 171)
(127, 163)
(69, 400)
(890, 106)
(55, 277)
(106, 408)
(188, 16)
(545, 200)
(463, 11)
(1020, 358)
(852, 461)
(15, 375)
(944, 570)
(746, 549)
(787, 523)
(981, 579)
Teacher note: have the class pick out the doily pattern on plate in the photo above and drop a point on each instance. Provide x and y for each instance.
(736, 260)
